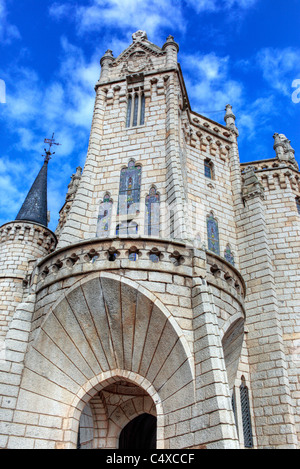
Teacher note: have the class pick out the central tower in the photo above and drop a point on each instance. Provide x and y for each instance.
(135, 132)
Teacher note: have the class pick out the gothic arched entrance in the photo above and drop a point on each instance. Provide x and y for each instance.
(140, 433)
(122, 415)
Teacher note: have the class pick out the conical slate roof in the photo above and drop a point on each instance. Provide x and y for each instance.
(34, 207)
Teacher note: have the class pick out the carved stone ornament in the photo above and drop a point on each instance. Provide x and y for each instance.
(139, 36)
(137, 61)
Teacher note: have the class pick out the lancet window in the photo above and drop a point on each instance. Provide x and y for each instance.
(152, 203)
(130, 188)
(104, 217)
(213, 234)
(228, 255)
(135, 107)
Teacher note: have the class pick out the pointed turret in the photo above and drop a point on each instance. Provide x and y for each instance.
(230, 119)
(34, 208)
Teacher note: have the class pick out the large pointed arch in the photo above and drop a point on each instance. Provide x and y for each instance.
(104, 324)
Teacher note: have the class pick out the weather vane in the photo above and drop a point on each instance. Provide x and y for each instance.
(50, 141)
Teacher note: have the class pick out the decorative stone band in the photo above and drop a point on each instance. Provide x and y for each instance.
(268, 165)
(225, 276)
(147, 254)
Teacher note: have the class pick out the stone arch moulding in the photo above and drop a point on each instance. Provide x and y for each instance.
(99, 383)
(103, 325)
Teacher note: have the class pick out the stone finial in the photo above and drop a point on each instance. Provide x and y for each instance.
(251, 185)
(170, 40)
(171, 48)
(284, 150)
(73, 186)
(78, 172)
(105, 63)
(229, 118)
(139, 36)
(108, 55)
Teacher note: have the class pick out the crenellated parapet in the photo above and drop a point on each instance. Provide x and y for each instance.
(274, 174)
(21, 244)
(31, 234)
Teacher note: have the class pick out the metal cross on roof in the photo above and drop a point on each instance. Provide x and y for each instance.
(50, 141)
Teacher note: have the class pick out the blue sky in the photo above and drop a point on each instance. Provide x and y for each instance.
(242, 52)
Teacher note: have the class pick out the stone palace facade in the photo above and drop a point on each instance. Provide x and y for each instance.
(164, 310)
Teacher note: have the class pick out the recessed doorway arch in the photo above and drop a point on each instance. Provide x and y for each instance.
(139, 433)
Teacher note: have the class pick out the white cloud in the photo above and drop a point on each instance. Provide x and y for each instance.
(13, 175)
(218, 5)
(279, 67)
(34, 109)
(8, 32)
(125, 15)
(257, 115)
(209, 83)
(64, 104)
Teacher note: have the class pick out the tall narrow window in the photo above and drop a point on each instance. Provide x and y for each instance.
(135, 111)
(246, 418)
(172, 224)
(213, 234)
(129, 106)
(142, 117)
(104, 218)
(208, 169)
(130, 187)
(135, 107)
(298, 204)
(228, 255)
(152, 213)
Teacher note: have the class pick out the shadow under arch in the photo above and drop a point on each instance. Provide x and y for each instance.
(139, 433)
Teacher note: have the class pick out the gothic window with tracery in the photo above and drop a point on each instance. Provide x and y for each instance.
(104, 217)
(130, 188)
(228, 255)
(152, 203)
(213, 234)
(135, 107)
